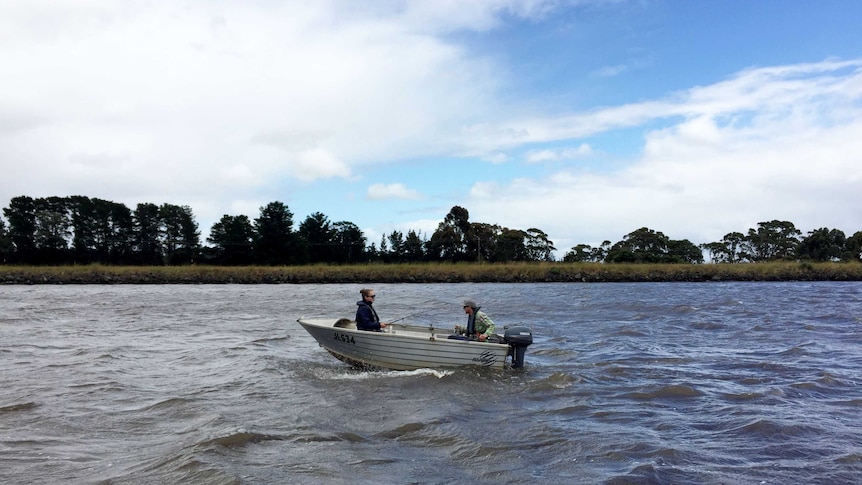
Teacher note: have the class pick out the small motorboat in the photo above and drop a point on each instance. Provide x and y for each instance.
(410, 347)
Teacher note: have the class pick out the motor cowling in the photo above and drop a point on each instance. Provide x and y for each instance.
(518, 338)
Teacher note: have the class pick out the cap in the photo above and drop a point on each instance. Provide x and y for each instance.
(471, 303)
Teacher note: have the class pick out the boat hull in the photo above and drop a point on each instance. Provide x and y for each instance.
(403, 347)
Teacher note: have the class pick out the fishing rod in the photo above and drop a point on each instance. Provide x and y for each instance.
(413, 314)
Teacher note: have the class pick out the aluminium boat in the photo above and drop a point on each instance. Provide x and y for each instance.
(410, 347)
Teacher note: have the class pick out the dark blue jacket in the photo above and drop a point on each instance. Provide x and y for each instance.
(366, 317)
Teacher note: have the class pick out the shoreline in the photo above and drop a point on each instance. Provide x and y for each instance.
(431, 273)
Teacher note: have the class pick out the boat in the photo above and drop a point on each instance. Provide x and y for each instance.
(411, 347)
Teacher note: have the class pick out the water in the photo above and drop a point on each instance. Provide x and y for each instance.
(625, 383)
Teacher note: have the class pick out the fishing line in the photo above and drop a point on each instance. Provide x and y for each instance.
(417, 313)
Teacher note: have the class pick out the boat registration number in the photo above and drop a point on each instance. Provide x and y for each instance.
(343, 337)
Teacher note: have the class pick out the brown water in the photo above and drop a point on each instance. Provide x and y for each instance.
(625, 383)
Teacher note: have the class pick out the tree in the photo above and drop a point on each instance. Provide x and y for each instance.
(510, 246)
(349, 243)
(275, 242)
(716, 251)
(147, 232)
(21, 215)
(53, 230)
(5, 243)
(316, 234)
(117, 233)
(180, 235)
(413, 247)
(450, 240)
(601, 252)
(822, 245)
(683, 251)
(384, 253)
(641, 246)
(396, 246)
(84, 221)
(372, 253)
(538, 246)
(648, 246)
(734, 248)
(578, 254)
(232, 237)
(853, 248)
(103, 231)
(485, 238)
(772, 241)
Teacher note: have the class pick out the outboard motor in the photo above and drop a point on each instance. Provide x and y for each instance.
(518, 338)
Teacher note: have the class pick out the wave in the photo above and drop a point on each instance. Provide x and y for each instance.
(267, 340)
(167, 403)
(240, 438)
(400, 431)
(658, 473)
(769, 428)
(708, 326)
(553, 352)
(568, 410)
(628, 332)
(378, 461)
(743, 397)
(852, 458)
(685, 309)
(826, 385)
(676, 391)
(798, 350)
(182, 468)
(24, 406)
(555, 381)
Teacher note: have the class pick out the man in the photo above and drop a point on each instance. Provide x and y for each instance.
(478, 324)
(366, 316)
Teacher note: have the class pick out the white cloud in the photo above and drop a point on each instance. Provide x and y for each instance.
(318, 163)
(391, 191)
(775, 92)
(553, 155)
(496, 158)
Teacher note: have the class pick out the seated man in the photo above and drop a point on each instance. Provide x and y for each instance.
(479, 325)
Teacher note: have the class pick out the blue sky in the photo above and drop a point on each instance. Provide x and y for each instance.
(585, 119)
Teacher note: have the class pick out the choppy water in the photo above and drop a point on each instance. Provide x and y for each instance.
(625, 383)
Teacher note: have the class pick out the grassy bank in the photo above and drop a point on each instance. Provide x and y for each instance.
(431, 273)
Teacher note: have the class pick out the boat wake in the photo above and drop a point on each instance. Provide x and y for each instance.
(360, 376)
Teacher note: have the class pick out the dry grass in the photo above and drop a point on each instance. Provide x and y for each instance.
(432, 273)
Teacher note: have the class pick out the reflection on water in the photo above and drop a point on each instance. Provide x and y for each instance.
(625, 383)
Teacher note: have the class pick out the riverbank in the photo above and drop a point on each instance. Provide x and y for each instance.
(430, 273)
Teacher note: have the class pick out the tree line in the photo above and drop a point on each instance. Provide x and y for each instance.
(771, 241)
(83, 230)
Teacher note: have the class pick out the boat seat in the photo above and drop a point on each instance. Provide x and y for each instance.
(345, 323)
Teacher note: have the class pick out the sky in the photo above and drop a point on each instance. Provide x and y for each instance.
(586, 119)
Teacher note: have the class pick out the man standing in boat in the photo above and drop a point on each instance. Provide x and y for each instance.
(366, 316)
(477, 322)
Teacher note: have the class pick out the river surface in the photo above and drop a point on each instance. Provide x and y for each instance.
(704, 383)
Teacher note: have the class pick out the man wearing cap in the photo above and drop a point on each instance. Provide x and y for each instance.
(478, 324)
